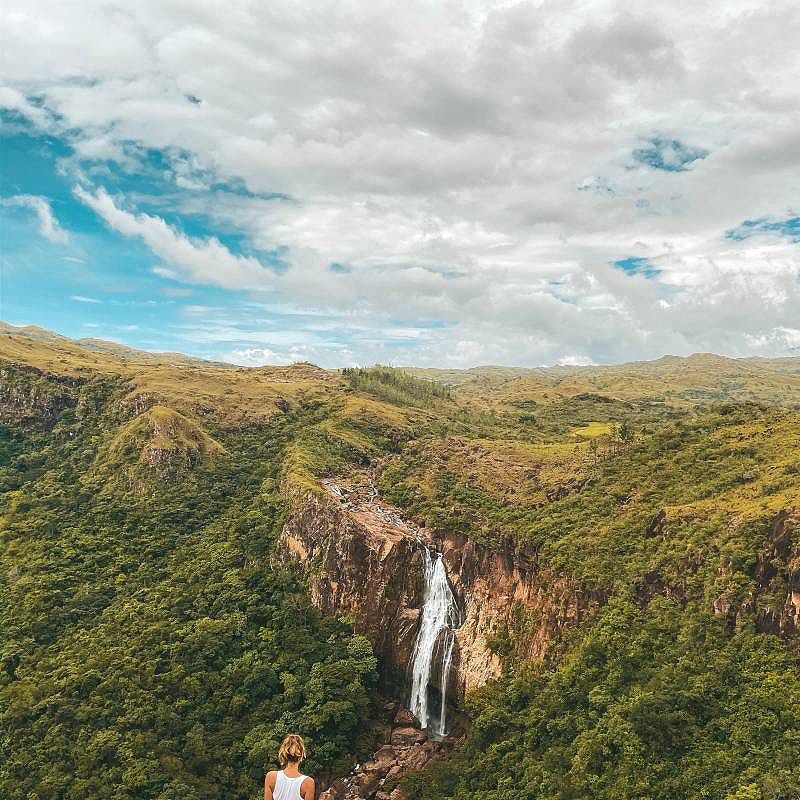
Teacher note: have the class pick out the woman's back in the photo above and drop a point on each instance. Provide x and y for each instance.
(287, 788)
(289, 783)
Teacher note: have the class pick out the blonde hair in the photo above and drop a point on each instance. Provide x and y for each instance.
(292, 749)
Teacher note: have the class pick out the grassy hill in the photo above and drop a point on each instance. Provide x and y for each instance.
(153, 648)
(229, 394)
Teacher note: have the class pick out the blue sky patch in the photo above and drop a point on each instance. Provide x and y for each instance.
(637, 266)
(669, 155)
(97, 282)
(789, 228)
(92, 281)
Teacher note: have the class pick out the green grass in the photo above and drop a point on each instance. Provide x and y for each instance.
(593, 430)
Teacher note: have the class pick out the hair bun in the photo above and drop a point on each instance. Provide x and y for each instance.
(292, 749)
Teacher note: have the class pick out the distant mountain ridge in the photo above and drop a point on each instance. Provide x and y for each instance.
(37, 334)
(788, 364)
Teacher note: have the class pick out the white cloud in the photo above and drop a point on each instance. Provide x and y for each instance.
(48, 224)
(166, 272)
(470, 164)
(79, 298)
(255, 357)
(15, 100)
(197, 260)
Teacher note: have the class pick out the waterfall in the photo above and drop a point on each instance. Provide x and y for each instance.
(438, 620)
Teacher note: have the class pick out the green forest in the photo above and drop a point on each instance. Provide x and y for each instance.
(156, 644)
(151, 648)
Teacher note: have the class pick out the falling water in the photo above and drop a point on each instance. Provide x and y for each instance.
(438, 620)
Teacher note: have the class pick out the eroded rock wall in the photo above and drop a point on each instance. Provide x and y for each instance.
(361, 566)
(511, 602)
(364, 560)
(29, 396)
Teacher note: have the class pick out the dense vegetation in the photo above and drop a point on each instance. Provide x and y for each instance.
(722, 473)
(668, 516)
(151, 648)
(655, 704)
(155, 647)
(396, 385)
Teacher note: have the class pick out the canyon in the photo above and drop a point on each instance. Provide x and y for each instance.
(367, 562)
(559, 579)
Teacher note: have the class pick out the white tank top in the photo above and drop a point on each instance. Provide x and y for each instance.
(287, 788)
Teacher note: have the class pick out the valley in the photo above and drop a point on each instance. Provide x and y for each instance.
(199, 558)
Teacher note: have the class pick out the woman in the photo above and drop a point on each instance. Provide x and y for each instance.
(288, 783)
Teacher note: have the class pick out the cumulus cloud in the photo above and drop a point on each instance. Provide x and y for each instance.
(48, 224)
(474, 170)
(15, 101)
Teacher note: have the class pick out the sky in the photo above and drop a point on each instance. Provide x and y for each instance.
(432, 184)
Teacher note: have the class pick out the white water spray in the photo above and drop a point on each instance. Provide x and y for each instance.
(438, 621)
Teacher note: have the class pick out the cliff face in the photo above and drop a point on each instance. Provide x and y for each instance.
(775, 595)
(29, 397)
(364, 560)
(508, 598)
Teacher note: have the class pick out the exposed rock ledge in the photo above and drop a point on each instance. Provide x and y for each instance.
(403, 748)
(364, 560)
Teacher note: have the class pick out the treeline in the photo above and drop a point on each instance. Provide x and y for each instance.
(396, 386)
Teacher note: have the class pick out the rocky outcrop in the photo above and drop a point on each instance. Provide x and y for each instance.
(153, 449)
(776, 596)
(30, 397)
(772, 597)
(403, 748)
(363, 560)
(512, 604)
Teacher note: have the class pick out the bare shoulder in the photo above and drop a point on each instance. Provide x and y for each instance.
(269, 778)
(307, 789)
